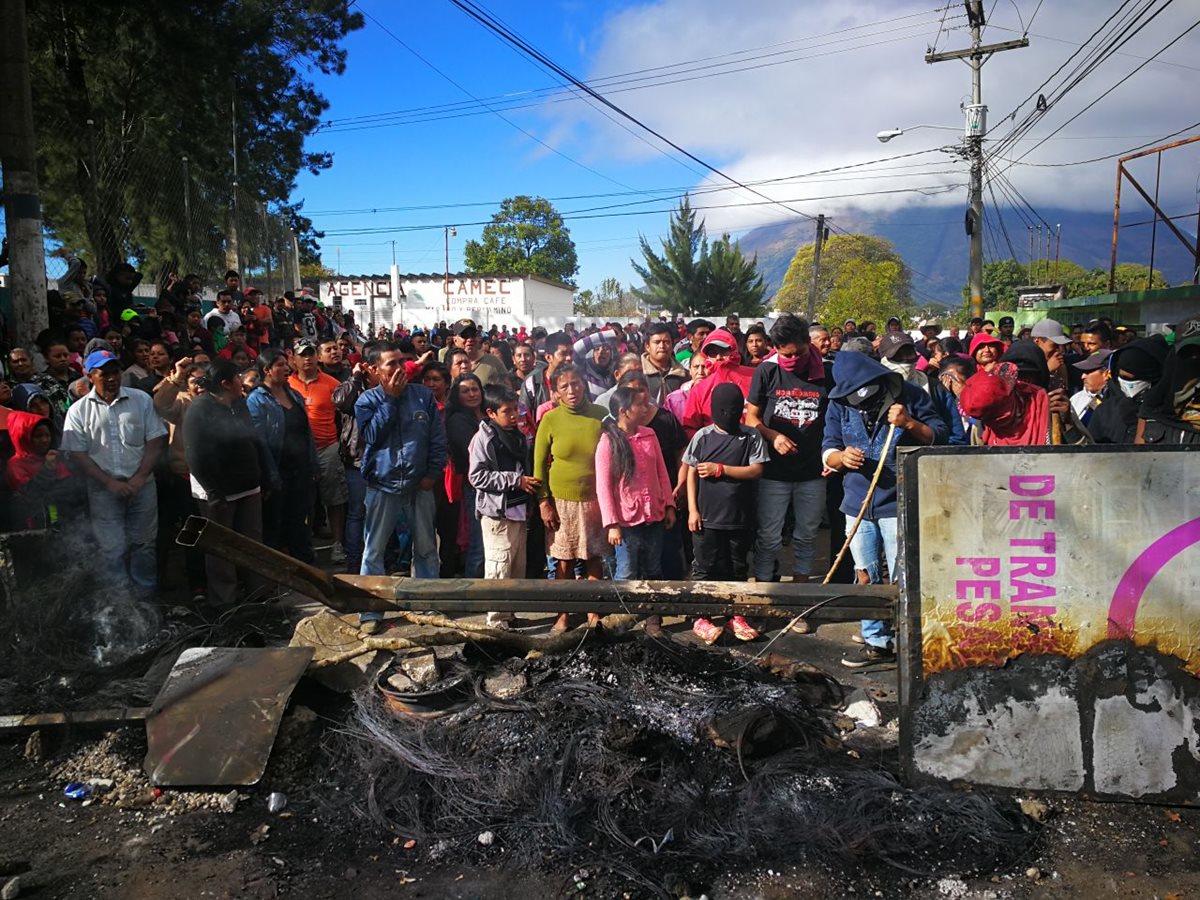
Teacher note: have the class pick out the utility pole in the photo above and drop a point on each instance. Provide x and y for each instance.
(18, 159)
(822, 234)
(234, 253)
(976, 127)
(447, 232)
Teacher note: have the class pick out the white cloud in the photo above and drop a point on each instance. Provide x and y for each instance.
(824, 111)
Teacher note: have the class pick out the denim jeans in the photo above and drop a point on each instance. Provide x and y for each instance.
(383, 511)
(125, 529)
(355, 513)
(873, 539)
(473, 561)
(639, 555)
(807, 500)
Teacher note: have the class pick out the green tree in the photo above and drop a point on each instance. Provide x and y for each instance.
(1001, 279)
(526, 237)
(689, 276)
(866, 290)
(732, 282)
(862, 272)
(675, 280)
(123, 95)
(315, 270)
(608, 299)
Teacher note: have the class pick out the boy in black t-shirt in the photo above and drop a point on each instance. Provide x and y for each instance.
(723, 461)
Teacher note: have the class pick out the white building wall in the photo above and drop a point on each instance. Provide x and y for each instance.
(425, 301)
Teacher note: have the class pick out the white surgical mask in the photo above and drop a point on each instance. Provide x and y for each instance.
(1131, 388)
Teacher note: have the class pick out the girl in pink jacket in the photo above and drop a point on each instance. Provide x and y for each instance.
(633, 487)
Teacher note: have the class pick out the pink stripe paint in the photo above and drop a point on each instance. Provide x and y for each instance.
(1122, 612)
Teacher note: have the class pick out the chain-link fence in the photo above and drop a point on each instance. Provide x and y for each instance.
(164, 214)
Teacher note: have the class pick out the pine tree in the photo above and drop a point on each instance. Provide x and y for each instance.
(733, 284)
(675, 281)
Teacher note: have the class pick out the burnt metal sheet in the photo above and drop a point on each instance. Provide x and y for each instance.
(1050, 619)
(215, 719)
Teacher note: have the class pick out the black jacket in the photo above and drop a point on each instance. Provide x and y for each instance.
(222, 449)
(345, 395)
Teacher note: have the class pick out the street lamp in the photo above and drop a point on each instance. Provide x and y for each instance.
(885, 136)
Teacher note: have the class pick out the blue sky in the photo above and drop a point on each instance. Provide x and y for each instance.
(789, 89)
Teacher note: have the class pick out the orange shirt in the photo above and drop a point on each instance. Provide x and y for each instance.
(318, 403)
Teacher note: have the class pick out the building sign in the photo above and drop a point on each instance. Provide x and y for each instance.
(1051, 607)
(356, 290)
(1037, 553)
(495, 295)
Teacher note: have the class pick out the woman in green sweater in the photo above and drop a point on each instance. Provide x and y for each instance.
(564, 459)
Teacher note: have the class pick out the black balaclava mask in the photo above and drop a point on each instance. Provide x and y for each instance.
(872, 398)
(727, 403)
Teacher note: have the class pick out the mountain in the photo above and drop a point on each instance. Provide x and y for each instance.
(935, 246)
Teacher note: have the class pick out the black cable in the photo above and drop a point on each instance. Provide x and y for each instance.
(498, 114)
(1037, 90)
(611, 82)
(666, 191)
(1112, 88)
(1079, 74)
(472, 10)
(1091, 59)
(576, 215)
(1083, 162)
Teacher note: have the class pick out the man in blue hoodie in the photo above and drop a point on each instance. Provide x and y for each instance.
(403, 454)
(865, 400)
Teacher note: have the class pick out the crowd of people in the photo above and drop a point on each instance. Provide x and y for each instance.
(660, 449)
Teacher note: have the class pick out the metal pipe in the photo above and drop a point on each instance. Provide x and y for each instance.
(371, 593)
(1154, 224)
(225, 543)
(839, 602)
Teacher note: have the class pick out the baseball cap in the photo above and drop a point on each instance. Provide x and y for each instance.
(1051, 331)
(98, 359)
(303, 348)
(1097, 360)
(1006, 320)
(890, 344)
(251, 290)
(1187, 333)
(462, 326)
(128, 315)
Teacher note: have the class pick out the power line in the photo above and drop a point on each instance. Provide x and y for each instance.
(653, 196)
(498, 114)
(581, 214)
(1112, 88)
(1058, 40)
(1084, 68)
(611, 84)
(473, 11)
(1126, 152)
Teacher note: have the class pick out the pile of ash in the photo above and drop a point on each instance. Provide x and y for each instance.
(649, 758)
